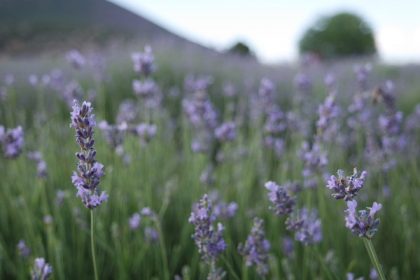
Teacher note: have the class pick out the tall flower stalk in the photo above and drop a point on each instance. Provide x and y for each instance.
(89, 172)
(362, 223)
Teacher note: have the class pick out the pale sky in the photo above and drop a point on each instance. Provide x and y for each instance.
(272, 28)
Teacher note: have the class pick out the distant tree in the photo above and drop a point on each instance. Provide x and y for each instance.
(341, 35)
(240, 48)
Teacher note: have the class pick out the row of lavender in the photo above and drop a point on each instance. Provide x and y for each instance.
(370, 130)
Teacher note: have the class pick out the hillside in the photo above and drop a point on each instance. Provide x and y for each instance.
(28, 25)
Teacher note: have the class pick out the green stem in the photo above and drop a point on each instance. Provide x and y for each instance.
(231, 270)
(374, 258)
(244, 271)
(92, 244)
(324, 266)
(163, 251)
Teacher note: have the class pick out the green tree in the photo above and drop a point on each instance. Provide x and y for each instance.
(240, 48)
(341, 35)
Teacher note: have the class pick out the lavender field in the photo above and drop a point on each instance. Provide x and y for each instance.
(178, 164)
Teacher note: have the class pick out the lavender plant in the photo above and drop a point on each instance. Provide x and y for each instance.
(282, 202)
(12, 141)
(41, 269)
(346, 187)
(256, 248)
(41, 165)
(208, 239)
(362, 223)
(89, 172)
(306, 225)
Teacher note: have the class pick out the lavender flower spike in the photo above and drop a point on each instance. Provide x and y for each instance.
(363, 222)
(209, 240)
(89, 171)
(24, 250)
(346, 187)
(282, 202)
(12, 141)
(41, 270)
(256, 248)
(307, 226)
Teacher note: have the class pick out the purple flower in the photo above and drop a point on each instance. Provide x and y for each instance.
(314, 159)
(266, 90)
(200, 112)
(12, 141)
(143, 62)
(282, 202)
(76, 59)
(33, 80)
(127, 112)
(89, 172)
(23, 249)
(288, 246)
(306, 225)
(134, 221)
(60, 196)
(151, 234)
(330, 81)
(226, 132)
(256, 248)
(225, 210)
(41, 165)
(373, 274)
(145, 131)
(114, 134)
(276, 122)
(303, 82)
(145, 89)
(41, 269)
(362, 75)
(391, 124)
(327, 112)
(346, 187)
(363, 222)
(197, 84)
(208, 239)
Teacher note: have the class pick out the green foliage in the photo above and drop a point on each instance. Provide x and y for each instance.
(340, 35)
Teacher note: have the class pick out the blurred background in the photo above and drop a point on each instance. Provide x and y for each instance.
(270, 30)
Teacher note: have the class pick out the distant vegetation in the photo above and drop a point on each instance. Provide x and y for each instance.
(340, 35)
(241, 49)
(27, 25)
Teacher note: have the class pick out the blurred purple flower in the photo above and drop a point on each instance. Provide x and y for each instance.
(12, 141)
(208, 239)
(288, 247)
(226, 132)
(256, 248)
(41, 165)
(282, 202)
(41, 269)
(151, 234)
(306, 225)
(134, 221)
(76, 59)
(143, 62)
(23, 249)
